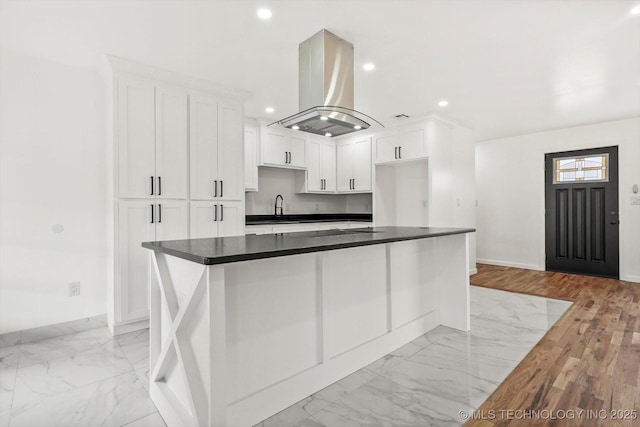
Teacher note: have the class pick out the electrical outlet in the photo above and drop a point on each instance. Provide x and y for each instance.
(74, 289)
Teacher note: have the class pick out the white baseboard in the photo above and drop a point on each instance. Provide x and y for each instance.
(509, 264)
(629, 278)
(124, 328)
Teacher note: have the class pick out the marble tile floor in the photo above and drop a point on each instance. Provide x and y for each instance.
(92, 379)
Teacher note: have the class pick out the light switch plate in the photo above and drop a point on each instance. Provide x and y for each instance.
(635, 200)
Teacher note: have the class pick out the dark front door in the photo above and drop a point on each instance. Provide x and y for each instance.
(581, 206)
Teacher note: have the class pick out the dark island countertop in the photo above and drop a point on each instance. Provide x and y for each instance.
(222, 250)
(303, 218)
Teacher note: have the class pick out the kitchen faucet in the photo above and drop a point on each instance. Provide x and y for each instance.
(276, 205)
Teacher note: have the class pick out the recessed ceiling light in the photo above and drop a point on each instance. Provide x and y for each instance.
(357, 127)
(264, 13)
(368, 67)
(327, 134)
(443, 103)
(295, 127)
(269, 110)
(324, 118)
(635, 10)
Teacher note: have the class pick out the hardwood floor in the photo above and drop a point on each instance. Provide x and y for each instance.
(586, 367)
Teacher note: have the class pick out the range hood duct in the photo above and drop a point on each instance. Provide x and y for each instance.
(325, 67)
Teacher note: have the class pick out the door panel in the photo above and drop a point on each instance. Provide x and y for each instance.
(171, 142)
(582, 234)
(296, 148)
(136, 137)
(314, 173)
(203, 220)
(344, 166)
(172, 220)
(231, 219)
(274, 148)
(230, 151)
(328, 163)
(134, 267)
(362, 165)
(203, 147)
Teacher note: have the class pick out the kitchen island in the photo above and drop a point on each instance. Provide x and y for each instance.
(243, 327)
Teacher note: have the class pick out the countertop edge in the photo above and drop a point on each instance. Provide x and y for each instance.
(294, 251)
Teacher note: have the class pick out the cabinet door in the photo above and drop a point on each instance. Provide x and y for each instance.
(328, 162)
(230, 151)
(171, 143)
(313, 155)
(250, 158)
(387, 148)
(362, 165)
(296, 151)
(274, 148)
(203, 146)
(230, 219)
(413, 144)
(135, 131)
(203, 221)
(344, 166)
(134, 262)
(172, 220)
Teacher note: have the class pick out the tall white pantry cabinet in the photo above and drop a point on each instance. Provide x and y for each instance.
(176, 162)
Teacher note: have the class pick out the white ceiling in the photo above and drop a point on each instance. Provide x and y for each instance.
(507, 67)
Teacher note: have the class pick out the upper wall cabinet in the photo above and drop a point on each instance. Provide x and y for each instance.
(282, 148)
(216, 148)
(251, 135)
(152, 140)
(354, 165)
(402, 144)
(321, 165)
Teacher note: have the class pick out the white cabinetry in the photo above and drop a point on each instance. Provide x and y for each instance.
(142, 221)
(152, 140)
(174, 139)
(402, 144)
(216, 148)
(354, 165)
(216, 219)
(282, 148)
(251, 133)
(321, 166)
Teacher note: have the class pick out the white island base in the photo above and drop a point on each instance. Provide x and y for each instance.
(232, 344)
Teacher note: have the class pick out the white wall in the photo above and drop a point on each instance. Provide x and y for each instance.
(52, 185)
(274, 181)
(510, 187)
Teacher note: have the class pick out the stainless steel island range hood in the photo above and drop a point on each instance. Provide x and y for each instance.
(325, 70)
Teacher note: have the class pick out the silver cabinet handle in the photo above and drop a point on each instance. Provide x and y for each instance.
(152, 213)
(395, 150)
(221, 188)
(400, 152)
(159, 186)
(159, 213)
(215, 188)
(151, 185)
(215, 212)
(221, 212)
